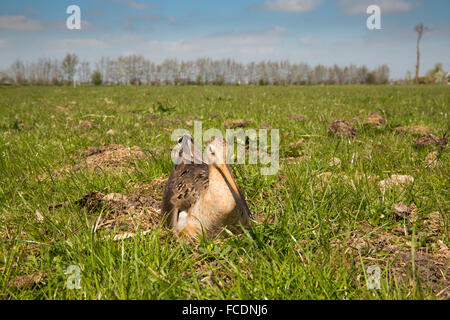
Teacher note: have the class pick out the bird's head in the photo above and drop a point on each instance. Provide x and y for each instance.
(217, 153)
(186, 152)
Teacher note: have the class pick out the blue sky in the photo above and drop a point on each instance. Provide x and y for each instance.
(312, 31)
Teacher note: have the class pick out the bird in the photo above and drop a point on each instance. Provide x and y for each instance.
(186, 151)
(201, 196)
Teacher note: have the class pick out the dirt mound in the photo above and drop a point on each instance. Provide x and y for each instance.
(295, 148)
(85, 124)
(92, 201)
(414, 129)
(112, 156)
(27, 281)
(155, 188)
(432, 160)
(431, 139)
(297, 117)
(126, 213)
(404, 211)
(396, 180)
(375, 120)
(432, 270)
(342, 128)
(430, 267)
(335, 162)
(434, 223)
(265, 126)
(237, 123)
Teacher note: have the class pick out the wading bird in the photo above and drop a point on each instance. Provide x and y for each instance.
(203, 198)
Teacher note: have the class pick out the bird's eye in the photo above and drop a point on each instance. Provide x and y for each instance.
(180, 140)
(211, 149)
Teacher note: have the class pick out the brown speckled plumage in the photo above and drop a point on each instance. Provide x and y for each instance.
(203, 197)
(186, 183)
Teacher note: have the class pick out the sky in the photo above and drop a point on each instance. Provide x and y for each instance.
(313, 31)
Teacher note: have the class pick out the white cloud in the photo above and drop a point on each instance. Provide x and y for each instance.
(354, 7)
(61, 25)
(178, 46)
(266, 36)
(260, 51)
(75, 44)
(290, 5)
(20, 23)
(250, 44)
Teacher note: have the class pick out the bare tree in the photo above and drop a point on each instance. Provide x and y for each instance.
(55, 74)
(420, 29)
(85, 72)
(69, 66)
(18, 71)
(135, 69)
(339, 74)
(382, 74)
(362, 74)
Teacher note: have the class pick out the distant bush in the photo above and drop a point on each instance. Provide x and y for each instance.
(199, 80)
(219, 81)
(97, 78)
(371, 78)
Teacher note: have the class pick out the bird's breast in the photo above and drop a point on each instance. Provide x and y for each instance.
(220, 200)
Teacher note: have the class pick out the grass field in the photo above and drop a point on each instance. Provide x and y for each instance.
(319, 225)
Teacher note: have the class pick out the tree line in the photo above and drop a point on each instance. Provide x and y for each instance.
(135, 69)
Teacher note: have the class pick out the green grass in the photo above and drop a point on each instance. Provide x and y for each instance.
(299, 250)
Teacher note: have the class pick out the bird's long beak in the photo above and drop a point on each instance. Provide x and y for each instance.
(229, 179)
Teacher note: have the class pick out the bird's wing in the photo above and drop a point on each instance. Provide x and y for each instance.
(185, 185)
